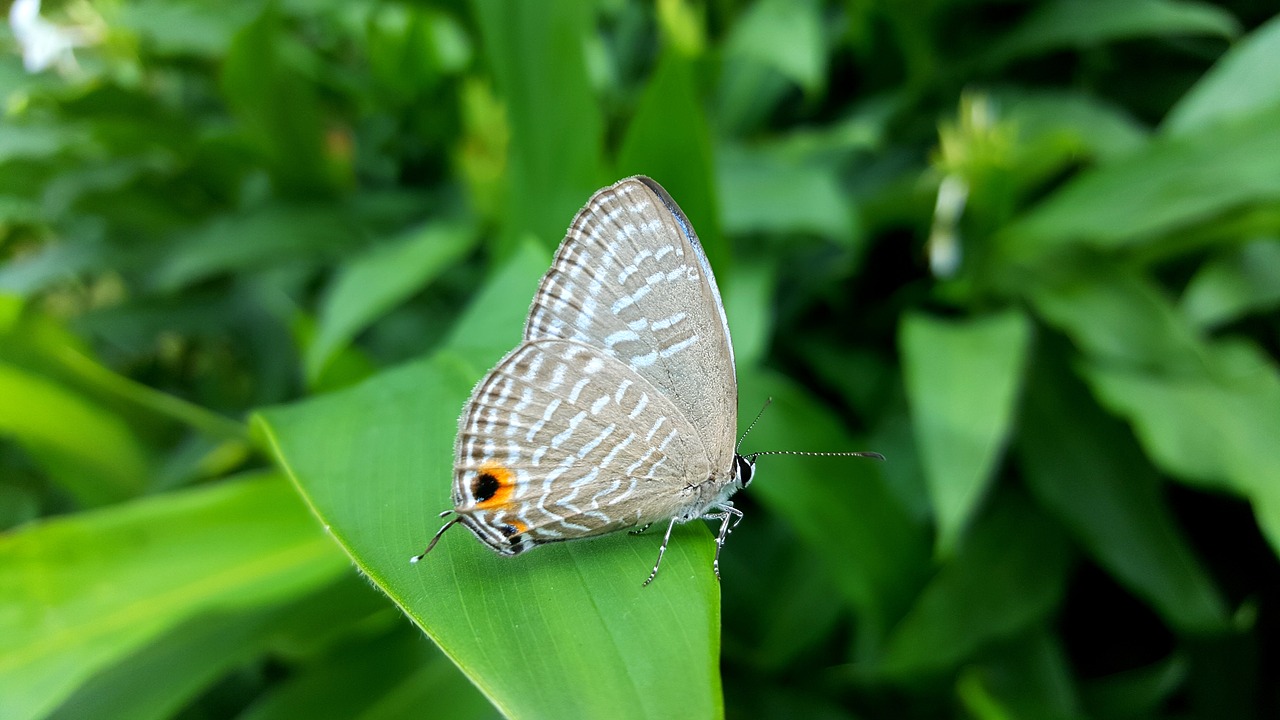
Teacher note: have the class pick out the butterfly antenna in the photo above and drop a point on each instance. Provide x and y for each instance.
(865, 453)
(436, 539)
(767, 403)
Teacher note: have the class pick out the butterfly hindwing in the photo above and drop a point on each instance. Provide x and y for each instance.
(562, 441)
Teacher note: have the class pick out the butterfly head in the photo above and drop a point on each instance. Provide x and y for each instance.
(745, 468)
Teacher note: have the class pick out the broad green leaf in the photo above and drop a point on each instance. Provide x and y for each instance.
(85, 447)
(535, 52)
(1117, 315)
(1082, 467)
(1174, 182)
(786, 36)
(1085, 23)
(79, 593)
(879, 555)
(376, 281)
(162, 677)
(185, 28)
(1218, 430)
(669, 140)
(962, 380)
(1242, 82)
(375, 463)
(1009, 573)
(1241, 281)
(762, 192)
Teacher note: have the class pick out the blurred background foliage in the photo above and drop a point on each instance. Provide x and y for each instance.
(1030, 251)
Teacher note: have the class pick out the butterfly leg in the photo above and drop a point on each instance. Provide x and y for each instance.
(661, 551)
(727, 514)
(640, 530)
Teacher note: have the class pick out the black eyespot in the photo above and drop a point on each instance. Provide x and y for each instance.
(507, 531)
(484, 487)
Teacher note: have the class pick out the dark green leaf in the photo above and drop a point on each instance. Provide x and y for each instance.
(1082, 467)
(376, 281)
(991, 589)
(1085, 23)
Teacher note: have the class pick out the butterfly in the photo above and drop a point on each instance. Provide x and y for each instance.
(619, 408)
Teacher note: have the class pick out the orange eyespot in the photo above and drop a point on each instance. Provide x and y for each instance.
(492, 486)
(512, 527)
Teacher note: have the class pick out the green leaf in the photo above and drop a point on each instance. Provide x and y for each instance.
(276, 235)
(1241, 281)
(162, 677)
(1081, 24)
(535, 51)
(1071, 124)
(991, 588)
(763, 192)
(962, 379)
(1081, 465)
(566, 631)
(878, 555)
(1174, 182)
(669, 140)
(1142, 692)
(278, 107)
(1028, 676)
(786, 36)
(82, 592)
(87, 449)
(748, 304)
(1240, 83)
(493, 323)
(1218, 429)
(185, 28)
(1116, 315)
(376, 281)
(40, 141)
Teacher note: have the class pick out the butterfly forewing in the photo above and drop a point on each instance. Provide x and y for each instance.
(632, 280)
(563, 441)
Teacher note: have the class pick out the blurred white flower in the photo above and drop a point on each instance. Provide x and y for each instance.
(944, 241)
(44, 44)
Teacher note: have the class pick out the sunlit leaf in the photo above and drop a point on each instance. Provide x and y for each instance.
(375, 464)
(1238, 85)
(84, 591)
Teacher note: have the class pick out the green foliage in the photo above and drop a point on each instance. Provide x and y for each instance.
(253, 257)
